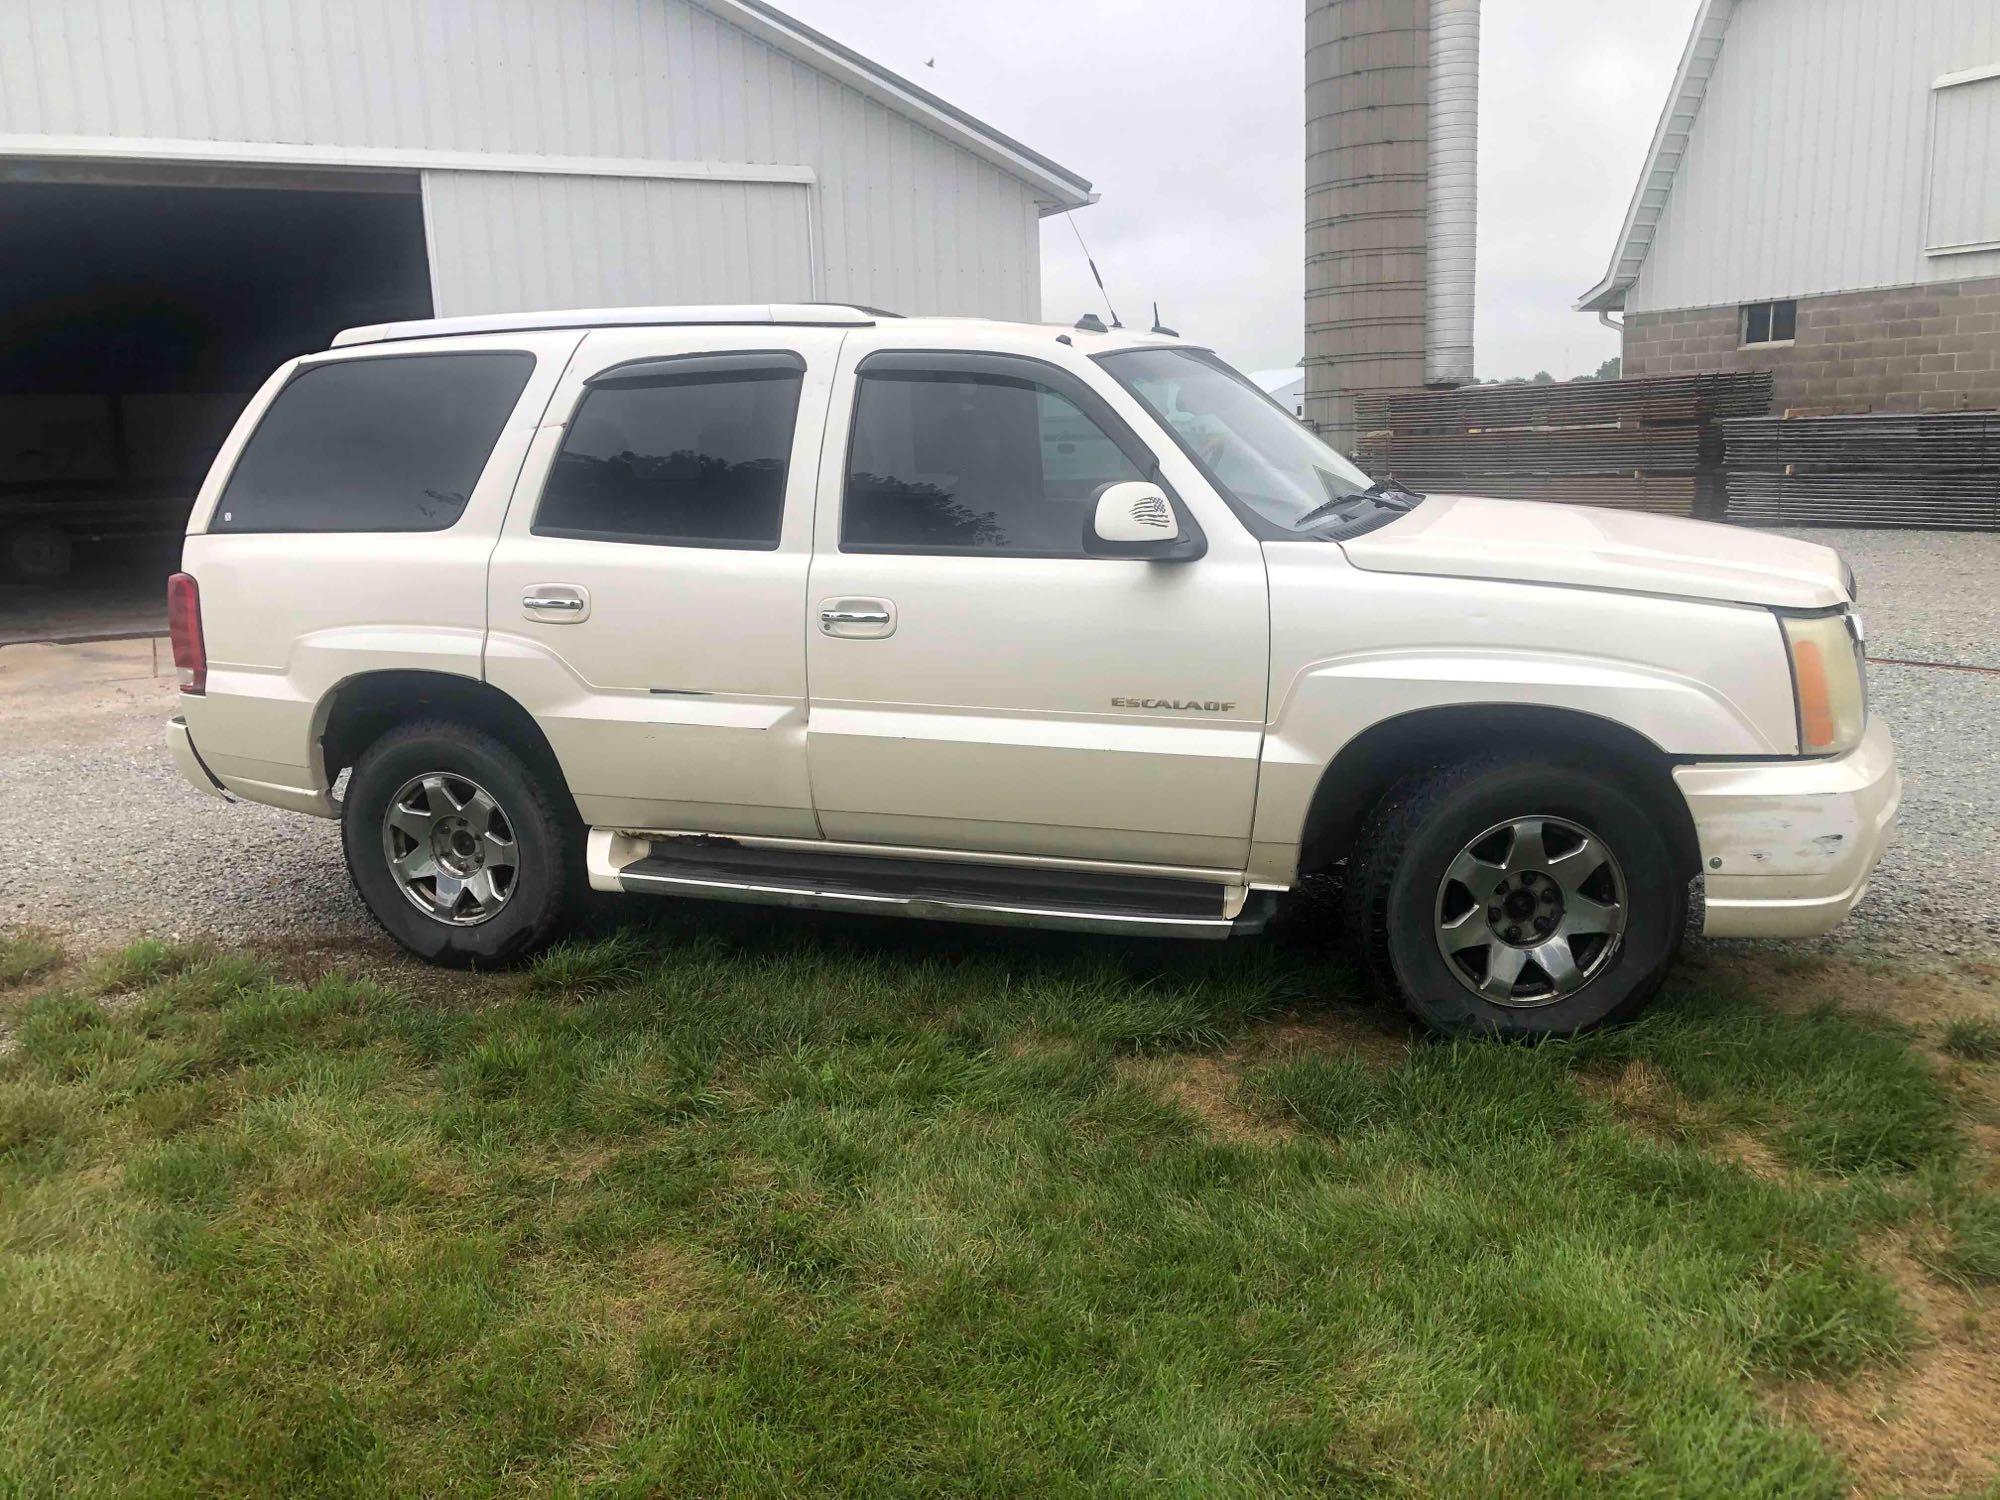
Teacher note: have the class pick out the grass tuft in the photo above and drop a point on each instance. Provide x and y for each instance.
(1974, 1038)
(143, 963)
(577, 967)
(1972, 1253)
(25, 956)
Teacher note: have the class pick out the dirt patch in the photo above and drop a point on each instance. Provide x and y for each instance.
(1751, 1153)
(666, 1283)
(1382, 1039)
(1641, 1097)
(1927, 1426)
(1204, 1084)
(1926, 998)
(1982, 1141)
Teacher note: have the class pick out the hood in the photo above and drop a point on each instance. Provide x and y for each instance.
(1583, 546)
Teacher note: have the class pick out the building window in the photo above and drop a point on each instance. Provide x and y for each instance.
(1770, 322)
(1962, 212)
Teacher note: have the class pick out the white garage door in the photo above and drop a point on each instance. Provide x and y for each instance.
(512, 242)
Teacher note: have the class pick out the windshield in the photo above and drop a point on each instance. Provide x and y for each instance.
(1265, 458)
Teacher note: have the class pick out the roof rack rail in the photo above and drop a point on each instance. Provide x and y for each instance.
(874, 312)
(809, 314)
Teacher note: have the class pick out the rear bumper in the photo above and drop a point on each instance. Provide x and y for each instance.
(1787, 847)
(189, 760)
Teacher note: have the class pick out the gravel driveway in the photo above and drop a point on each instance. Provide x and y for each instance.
(101, 840)
(1933, 597)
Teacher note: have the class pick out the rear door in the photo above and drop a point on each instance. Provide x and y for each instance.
(979, 683)
(345, 529)
(646, 597)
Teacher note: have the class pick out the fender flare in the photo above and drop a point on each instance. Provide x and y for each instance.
(1331, 710)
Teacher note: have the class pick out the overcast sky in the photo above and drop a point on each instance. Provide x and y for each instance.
(1189, 117)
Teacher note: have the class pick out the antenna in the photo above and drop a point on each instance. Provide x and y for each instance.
(1093, 269)
(1159, 327)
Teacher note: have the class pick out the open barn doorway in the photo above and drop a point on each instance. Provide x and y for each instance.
(140, 306)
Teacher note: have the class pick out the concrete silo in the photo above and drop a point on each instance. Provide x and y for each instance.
(1392, 121)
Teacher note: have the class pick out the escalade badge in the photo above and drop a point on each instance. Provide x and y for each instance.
(1197, 705)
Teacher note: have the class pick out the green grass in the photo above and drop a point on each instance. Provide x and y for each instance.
(742, 1205)
(1974, 1038)
(25, 956)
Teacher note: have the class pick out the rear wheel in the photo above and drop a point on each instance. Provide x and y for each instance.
(463, 853)
(36, 553)
(1515, 897)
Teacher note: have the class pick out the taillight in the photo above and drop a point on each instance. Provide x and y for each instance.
(184, 625)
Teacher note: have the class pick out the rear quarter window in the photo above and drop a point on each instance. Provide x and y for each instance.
(393, 443)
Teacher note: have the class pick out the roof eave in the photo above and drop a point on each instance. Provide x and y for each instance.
(1056, 187)
(1663, 156)
(1607, 296)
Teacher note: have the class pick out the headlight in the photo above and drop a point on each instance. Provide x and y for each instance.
(1827, 681)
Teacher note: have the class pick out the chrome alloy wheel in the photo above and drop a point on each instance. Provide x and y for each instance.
(450, 848)
(1530, 911)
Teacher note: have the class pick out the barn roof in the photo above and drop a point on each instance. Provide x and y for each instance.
(1062, 187)
(1663, 157)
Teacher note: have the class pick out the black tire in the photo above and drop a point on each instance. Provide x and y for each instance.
(546, 837)
(1393, 901)
(37, 554)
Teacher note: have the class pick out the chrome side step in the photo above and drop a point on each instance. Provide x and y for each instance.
(1068, 895)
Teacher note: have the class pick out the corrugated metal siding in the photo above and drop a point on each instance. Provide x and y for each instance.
(909, 220)
(1806, 172)
(502, 241)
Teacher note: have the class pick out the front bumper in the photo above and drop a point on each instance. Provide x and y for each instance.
(1787, 847)
(189, 760)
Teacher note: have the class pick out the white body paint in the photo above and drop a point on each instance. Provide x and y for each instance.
(1174, 718)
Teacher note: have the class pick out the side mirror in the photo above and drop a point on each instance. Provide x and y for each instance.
(1133, 518)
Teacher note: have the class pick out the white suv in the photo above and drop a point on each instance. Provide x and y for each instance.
(818, 606)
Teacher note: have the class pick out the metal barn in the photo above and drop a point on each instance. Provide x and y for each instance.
(190, 193)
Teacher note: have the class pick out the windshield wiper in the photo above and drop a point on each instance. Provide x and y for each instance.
(1384, 493)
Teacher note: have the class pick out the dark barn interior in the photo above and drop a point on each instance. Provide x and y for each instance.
(139, 309)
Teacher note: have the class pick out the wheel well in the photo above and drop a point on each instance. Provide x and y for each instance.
(362, 709)
(1375, 759)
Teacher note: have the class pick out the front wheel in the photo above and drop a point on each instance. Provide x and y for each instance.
(460, 850)
(1515, 897)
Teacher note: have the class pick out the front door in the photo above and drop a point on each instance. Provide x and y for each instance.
(978, 683)
(645, 599)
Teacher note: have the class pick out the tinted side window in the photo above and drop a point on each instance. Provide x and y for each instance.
(394, 443)
(954, 460)
(678, 452)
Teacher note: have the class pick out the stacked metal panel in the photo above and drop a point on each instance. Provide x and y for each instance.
(1655, 398)
(1649, 444)
(1934, 470)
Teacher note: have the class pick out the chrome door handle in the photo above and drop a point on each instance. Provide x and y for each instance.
(558, 603)
(857, 617)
